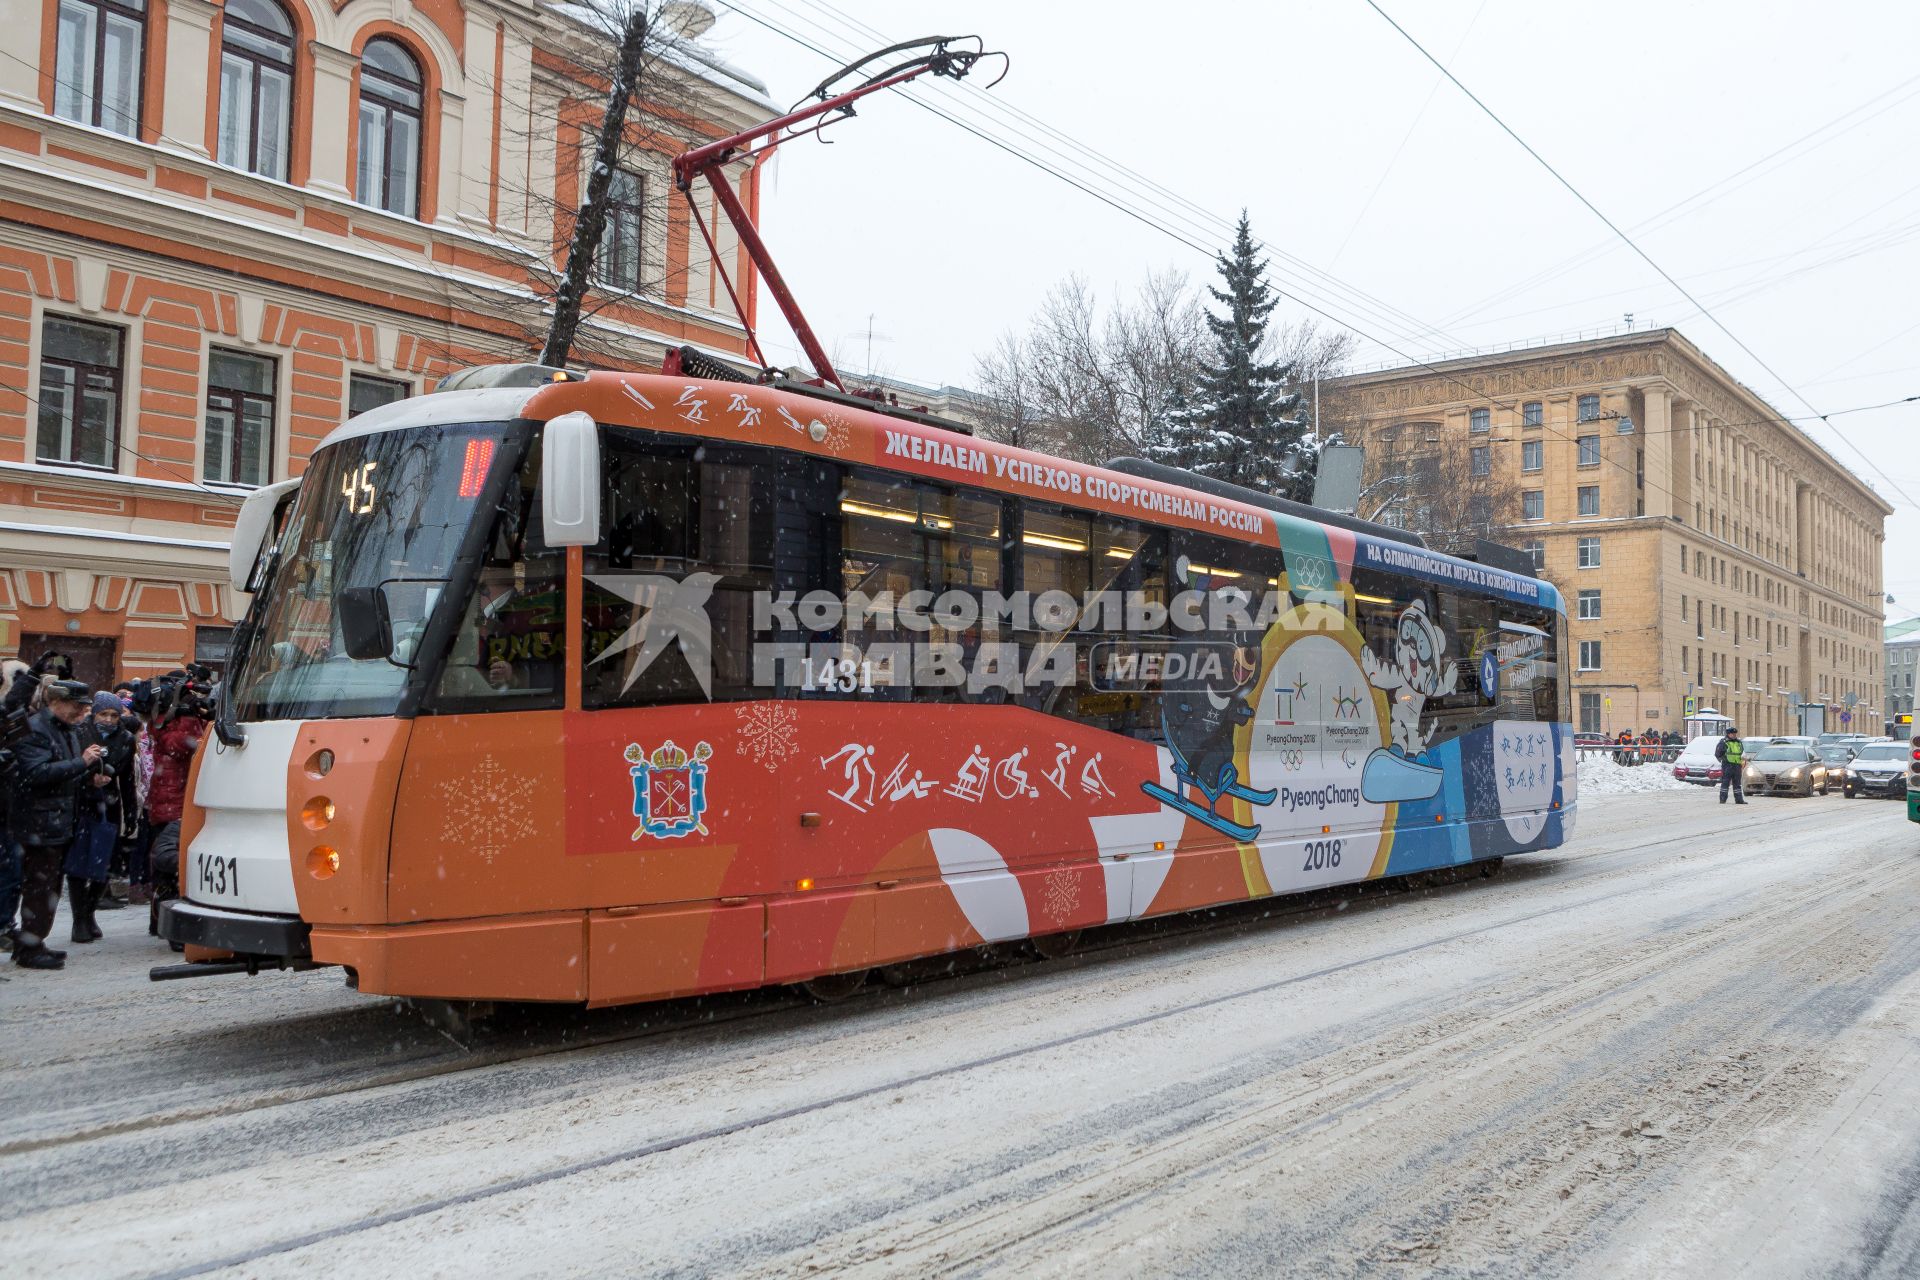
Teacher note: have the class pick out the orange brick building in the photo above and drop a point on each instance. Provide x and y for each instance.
(225, 226)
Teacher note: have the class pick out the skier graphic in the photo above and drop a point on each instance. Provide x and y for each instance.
(1418, 671)
(1199, 721)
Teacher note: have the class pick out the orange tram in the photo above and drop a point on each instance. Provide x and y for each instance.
(609, 687)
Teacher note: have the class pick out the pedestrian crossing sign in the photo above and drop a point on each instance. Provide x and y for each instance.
(1693, 704)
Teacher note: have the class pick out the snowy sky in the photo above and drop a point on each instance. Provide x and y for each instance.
(1435, 231)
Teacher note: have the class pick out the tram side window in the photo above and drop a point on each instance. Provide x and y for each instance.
(509, 651)
(1103, 565)
(686, 540)
(899, 538)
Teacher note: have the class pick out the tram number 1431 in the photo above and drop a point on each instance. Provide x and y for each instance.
(838, 675)
(215, 875)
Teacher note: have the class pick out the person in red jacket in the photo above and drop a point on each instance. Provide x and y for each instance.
(174, 742)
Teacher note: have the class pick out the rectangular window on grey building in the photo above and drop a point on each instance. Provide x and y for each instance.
(1531, 415)
(1533, 455)
(1589, 557)
(1589, 499)
(1481, 458)
(1590, 603)
(1533, 505)
(1589, 408)
(1589, 451)
(1480, 420)
(1589, 655)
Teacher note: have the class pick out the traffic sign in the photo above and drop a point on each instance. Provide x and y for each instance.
(1692, 704)
(1850, 698)
(1846, 717)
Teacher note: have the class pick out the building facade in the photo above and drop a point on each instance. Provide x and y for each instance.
(1710, 553)
(227, 226)
(1901, 655)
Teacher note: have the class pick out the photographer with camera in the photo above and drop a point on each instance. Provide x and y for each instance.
(179, 721)
(104, 812)
(52, 767)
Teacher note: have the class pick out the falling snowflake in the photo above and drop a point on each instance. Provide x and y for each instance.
(768, 731)
(488, 809)
(1060, 897)
(839, 433)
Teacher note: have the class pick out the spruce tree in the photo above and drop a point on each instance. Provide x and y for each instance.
(1243, 424)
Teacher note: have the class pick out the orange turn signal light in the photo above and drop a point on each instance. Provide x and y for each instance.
(322, 861)
(805, 882)
(316, 813)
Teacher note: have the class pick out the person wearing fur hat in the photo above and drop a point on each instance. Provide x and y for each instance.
(52, 767)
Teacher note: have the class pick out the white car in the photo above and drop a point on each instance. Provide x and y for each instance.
(1696, 763)
(1879, 769)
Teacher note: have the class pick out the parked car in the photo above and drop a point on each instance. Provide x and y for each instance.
(1880, 769)
(1696, 763)
(1591, 740)
(1793, 739)
(1785, 769)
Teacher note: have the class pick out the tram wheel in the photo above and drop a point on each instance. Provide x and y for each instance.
(831, 988)
(1051, 946)
(1490, 868)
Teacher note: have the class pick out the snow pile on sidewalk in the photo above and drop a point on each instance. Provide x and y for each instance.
(1600, 776)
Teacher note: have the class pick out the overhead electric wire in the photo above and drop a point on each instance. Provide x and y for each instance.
(1704, 196)
(1472, 391)
(1638, 251)
(1136, 214)
(994, 112)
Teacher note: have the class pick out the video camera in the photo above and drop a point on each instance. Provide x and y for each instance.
(187, 691)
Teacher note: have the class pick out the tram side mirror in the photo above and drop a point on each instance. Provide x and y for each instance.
(570, 481)
(366, 629)
(254, 531)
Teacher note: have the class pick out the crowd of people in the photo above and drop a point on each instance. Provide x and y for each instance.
(91, 790)
(1633, 748)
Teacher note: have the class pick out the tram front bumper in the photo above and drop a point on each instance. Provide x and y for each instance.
(245, 933)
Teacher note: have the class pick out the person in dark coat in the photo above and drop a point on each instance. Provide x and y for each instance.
(104, 805)
(1731, 752)
(51, 768)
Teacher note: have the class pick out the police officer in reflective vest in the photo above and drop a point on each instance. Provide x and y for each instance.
(1732, 755)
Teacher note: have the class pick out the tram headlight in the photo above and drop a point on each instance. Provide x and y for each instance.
(316, 813)
(322, 861)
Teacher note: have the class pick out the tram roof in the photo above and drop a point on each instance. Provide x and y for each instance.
(655, 397)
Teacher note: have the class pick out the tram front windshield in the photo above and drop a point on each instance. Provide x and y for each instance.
(390, 511)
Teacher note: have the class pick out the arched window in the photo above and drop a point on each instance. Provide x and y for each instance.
(98, 63)
(256, 87)
(391, 93)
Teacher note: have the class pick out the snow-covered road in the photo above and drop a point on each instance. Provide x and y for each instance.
(1684, 1045)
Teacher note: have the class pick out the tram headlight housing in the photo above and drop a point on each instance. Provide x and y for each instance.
(316, 813)
(323, 860)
